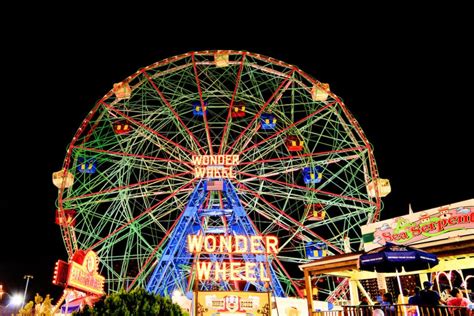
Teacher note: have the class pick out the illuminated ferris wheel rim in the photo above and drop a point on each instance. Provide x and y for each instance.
(266, 181)
(284, 73)
(291, 68)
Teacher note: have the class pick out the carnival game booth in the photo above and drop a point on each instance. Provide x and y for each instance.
(446, 231)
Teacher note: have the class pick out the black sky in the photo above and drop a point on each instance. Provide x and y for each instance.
(406, 77)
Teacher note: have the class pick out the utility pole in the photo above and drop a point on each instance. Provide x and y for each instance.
(27, 277)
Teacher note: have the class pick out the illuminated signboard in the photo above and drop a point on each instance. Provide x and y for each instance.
(237, 245)
(85, 276)
(61, 271)
(232, 303)
(430, 225)
(214, 166)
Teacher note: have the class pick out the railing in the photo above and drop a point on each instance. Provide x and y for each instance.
(398, 310)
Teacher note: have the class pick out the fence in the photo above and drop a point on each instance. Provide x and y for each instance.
(398, 310)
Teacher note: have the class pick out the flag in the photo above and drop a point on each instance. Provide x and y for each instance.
(215, 185)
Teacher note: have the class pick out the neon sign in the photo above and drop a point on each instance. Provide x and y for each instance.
(237, 244)
(443, 222)
(84, 276)
(214, 166)
(231, 271)
(234, 270)
(211, 303)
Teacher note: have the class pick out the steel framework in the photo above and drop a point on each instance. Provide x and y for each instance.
(128, 181)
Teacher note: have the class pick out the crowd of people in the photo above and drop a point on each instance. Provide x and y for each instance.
(422, 302)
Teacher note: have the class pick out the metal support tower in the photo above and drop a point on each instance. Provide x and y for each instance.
(217, 212)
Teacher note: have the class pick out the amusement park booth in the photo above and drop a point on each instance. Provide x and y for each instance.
(446, 231)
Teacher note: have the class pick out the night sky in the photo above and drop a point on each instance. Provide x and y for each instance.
(407, 79)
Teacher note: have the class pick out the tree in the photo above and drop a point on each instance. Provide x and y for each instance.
(38, 299)
(40, 307)
(136, 302)
(46, 307)
(26, 310)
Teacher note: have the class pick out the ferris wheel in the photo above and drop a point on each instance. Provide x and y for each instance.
(301, 168)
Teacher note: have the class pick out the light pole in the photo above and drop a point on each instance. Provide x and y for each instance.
(27, 277)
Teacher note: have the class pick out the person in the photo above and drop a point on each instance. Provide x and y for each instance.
(378, 298)
(364, 301)
(387, 299)
(387, 304)
(446, 294)
(457, 299)
(402, 300)
(378, 312)
(430, 297)
(414, 301)
(364, 306)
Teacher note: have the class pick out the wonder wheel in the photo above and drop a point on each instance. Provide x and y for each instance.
(228, 143)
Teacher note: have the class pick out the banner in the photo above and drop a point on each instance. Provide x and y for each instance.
(439, 223)
(232, 303)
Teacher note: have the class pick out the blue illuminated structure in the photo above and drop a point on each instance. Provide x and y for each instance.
(174, 270)
(316, 250)
(312, 175)
(86, 165)
(199, 108)
(268, 121)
